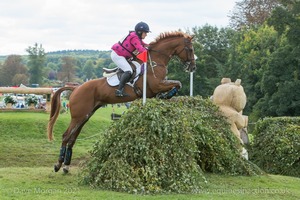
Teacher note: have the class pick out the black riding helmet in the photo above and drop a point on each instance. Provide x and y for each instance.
(141, 27)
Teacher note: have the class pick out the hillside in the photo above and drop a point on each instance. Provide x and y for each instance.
(83, 53)
(88, 54)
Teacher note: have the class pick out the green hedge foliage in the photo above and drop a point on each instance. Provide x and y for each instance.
(276, 145)
(165, 146)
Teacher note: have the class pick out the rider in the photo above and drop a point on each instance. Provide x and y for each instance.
(127, 49)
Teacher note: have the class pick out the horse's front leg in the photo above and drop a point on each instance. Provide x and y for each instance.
(176, 84)
(164, 85)
(168, 88)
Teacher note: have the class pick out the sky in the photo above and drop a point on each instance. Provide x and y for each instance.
(98, 24)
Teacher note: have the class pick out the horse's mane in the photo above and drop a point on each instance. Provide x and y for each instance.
(171, 34)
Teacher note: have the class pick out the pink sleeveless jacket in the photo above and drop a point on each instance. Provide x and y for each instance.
(131, 44)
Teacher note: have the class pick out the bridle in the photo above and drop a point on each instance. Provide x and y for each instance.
(189, 53)
(188, 49)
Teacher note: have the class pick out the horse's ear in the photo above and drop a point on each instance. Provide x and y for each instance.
(191, 37)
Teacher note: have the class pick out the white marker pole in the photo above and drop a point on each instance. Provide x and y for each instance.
(191, 83)
(144, 83)
(192, 79)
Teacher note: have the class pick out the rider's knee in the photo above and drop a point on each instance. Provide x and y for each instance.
(128, 72)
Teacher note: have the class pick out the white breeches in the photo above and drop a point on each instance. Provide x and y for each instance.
(120, 61)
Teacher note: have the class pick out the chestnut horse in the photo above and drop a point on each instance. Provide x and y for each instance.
(88, 97)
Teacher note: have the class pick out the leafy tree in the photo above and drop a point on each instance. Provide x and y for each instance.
(67, 73)
(79, 68)
(20, 78)
(287, 99)
(176, 72)
(281, 87)
(88, 70)
(99, 68)
(285, 20)
(280, 82)
(233, 66)
(11, 71)
(36, 63)
(52, 75)
(252, 56)
(50, 71)
(102, 62)
(53, 66)
(212, 49)
(249, 13)
(99, 59)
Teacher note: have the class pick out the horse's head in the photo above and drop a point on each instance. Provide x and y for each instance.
(176, 44)
(185, 51)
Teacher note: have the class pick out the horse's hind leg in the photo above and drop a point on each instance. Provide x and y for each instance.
(69, 139)
(69, 150)
(62, 152)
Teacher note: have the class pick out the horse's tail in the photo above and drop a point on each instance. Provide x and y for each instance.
(55, 108)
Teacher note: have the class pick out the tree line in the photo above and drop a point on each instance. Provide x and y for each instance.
(53, 68)
(260, 46)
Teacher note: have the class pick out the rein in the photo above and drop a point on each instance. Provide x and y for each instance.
(152, 66)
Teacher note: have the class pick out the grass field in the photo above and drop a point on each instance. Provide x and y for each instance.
(27, 158)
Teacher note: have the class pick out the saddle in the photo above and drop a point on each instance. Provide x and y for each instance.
(110, 72)
(113, 76)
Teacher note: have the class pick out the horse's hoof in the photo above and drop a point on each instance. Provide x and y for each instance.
(56, 168)
(66, 169)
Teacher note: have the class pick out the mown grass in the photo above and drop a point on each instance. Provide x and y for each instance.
(27, 158)
(24, 140)
(43, 183)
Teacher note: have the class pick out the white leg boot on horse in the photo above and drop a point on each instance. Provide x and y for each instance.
(67, 160)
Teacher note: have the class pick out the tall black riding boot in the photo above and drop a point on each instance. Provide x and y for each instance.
(123, 80)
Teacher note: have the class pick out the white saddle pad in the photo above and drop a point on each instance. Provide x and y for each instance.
(114, 80)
